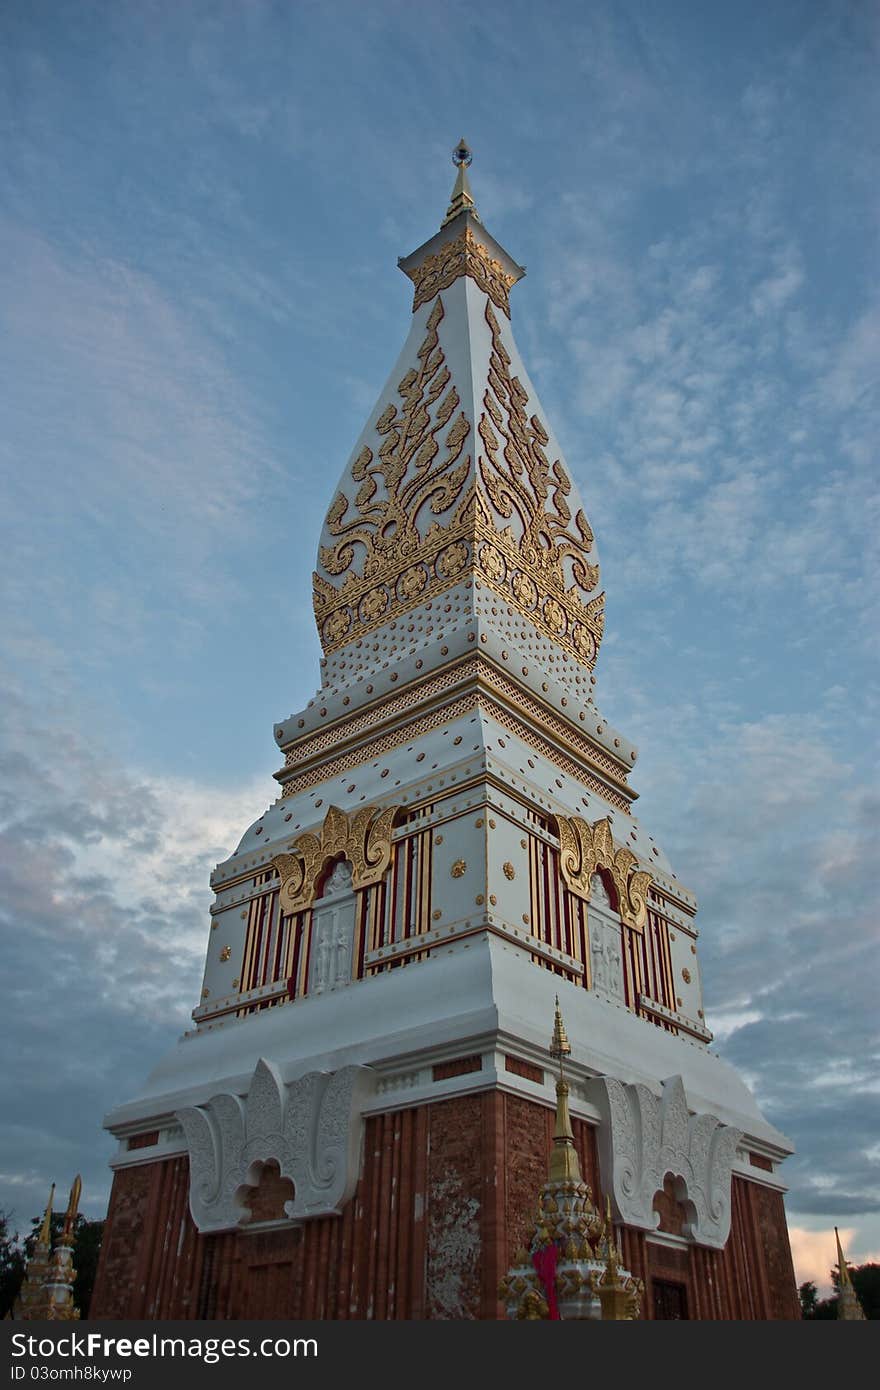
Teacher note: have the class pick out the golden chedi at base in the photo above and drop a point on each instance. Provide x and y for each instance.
(569, 1268)
(849, 1309)
(358, 1121)
(46, 1293)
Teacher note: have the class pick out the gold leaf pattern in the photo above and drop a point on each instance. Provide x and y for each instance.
(462, 256)
(410, 477)
(518, 478)
(364, 839)
(393, 553)
(584, 848)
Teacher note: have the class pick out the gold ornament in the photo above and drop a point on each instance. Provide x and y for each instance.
(465, 255)
(373, 605)
(533, 1306)
(412, 582)
(363, 839)
(422, 513)
(524, 590)
(337, 625)
(491, 563)
(584, 848)
(452, 560)
(520, 480)
(414, 478)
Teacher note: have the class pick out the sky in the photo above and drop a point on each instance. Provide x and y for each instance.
(201, 210)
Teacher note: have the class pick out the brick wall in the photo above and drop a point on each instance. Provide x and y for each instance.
(441, 1207)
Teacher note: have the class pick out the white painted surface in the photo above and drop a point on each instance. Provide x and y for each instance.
(484, 989)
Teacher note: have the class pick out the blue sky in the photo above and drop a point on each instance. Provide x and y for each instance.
(201, 210)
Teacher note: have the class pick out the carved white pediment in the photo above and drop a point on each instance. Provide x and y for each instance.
(643, 1137)
(311, 1128)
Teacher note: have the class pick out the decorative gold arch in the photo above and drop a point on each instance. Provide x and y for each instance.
(584, 848)
(363, 838)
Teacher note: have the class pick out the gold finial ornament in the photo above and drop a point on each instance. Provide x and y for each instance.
(564, 1161)
(559, 1045)
(533, 1307)
(462, 199)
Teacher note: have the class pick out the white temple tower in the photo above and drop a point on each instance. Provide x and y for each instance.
(363, 1109)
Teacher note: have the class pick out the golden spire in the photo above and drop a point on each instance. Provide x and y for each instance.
(619, 1293)
(45, 1235)
(849, 1308)
(32, 1300)
(70, 1215)
(612, 1258)
(564, 1161)
(841, 1262)
(462, 198)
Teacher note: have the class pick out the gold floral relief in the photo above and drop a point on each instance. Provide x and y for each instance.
(584, 848)
(548, 545)
(422, 514)
(452, 560)
(363, 838)
(418, 475)
(463, 256)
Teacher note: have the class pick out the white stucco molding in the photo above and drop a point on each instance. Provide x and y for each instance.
(643, 1137)
(311, 1127)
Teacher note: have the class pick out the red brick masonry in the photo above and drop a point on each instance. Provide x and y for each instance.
(443, 1199)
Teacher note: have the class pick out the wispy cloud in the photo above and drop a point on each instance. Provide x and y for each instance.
(105, 898)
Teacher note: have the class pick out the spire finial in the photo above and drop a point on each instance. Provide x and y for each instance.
(611, 1252)
(70, 1214)
(45, 1236)
(564, 1161)
(559, 1045)
(849, 1309)
(462, 199)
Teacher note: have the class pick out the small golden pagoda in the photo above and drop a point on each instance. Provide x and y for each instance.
(849, 1309)
(31, 1300)
(47, 1290)
(571, 1267)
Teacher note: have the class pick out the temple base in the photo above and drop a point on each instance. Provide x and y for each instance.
(442, 1201)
